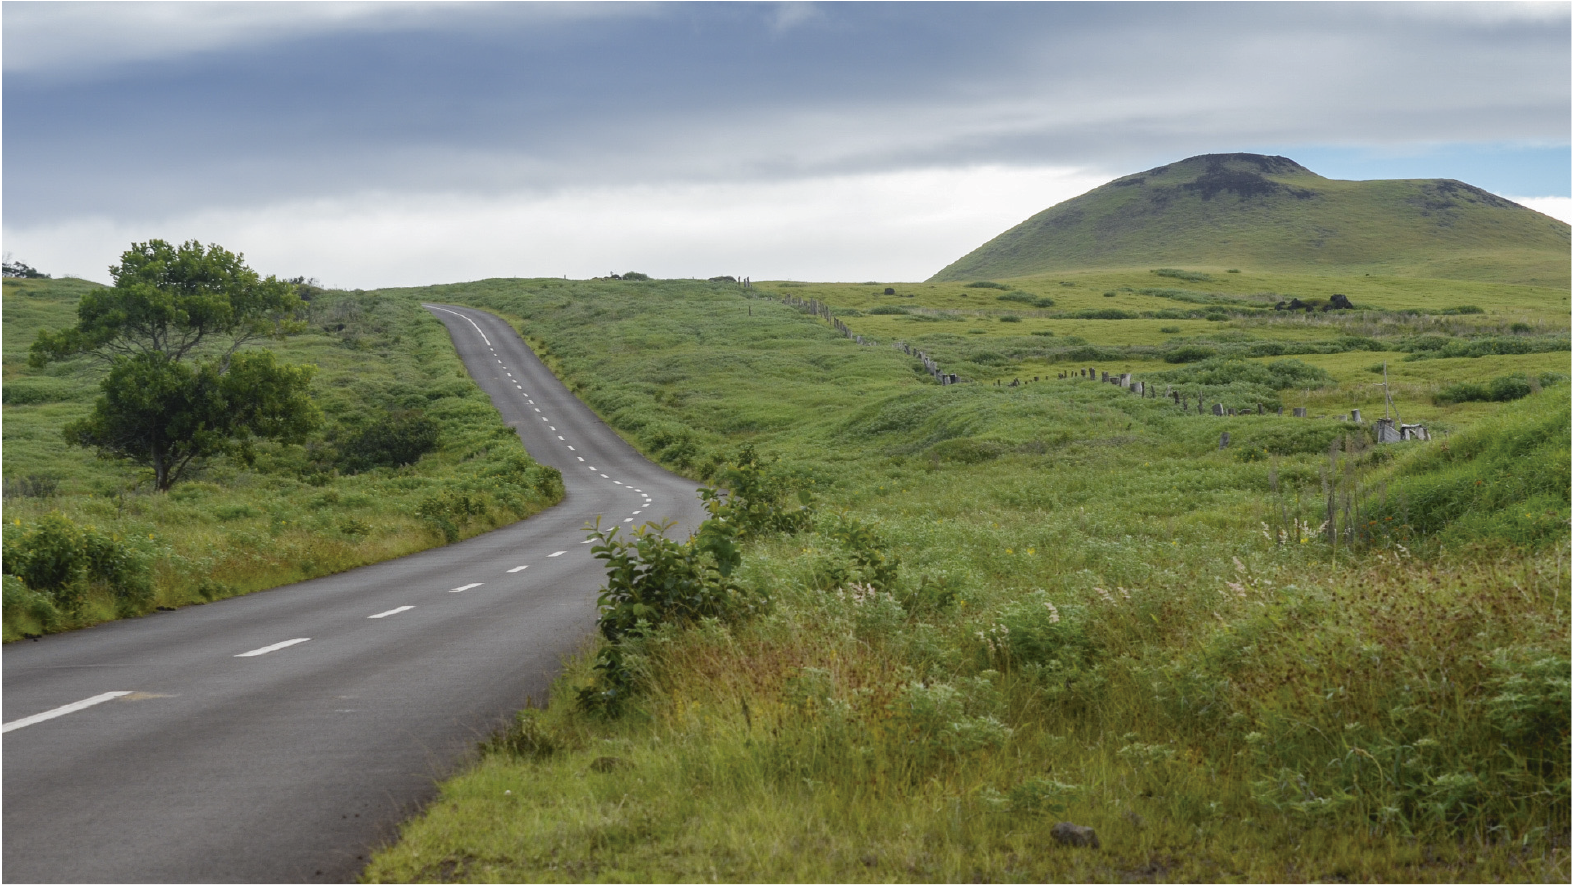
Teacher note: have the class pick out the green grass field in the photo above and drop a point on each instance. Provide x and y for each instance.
(293, 514)
(1301, 657)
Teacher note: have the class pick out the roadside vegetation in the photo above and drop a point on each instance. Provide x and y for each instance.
(401, 452)
(976, 611)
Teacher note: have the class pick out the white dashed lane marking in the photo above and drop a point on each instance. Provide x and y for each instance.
(61, 711)
(519, 568)
(557, 554)
(627, 519)
(391, 612)
(462, 588)
(571, 449)
(274, 648)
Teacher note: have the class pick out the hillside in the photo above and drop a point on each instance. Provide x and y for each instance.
(1270, 213)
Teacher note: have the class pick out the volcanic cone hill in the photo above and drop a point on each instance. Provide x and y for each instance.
(1270, 213)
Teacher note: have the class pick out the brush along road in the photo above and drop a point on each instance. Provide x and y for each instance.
(277, 737)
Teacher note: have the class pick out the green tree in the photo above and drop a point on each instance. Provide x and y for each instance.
(179, 388)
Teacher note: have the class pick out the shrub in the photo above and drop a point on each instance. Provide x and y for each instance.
(1433, 346)
(1026, 298)
(1191, 276)
(63, 560)
(21, 269)
(1277, 375)
(756, 500)
(888, 309)
(635, 275)
(394, 439)
(1499, 390)
(967, 450)
(871, 561)
(1189, 354)
(1529, 706)
(20, 602)
(1099, 314)
(1169, 330)
(986, 284)
(33, 486)
(653, 581)
(33, 391)
(1009, 318)
(448, 510)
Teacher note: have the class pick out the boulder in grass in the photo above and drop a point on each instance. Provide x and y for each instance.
(1067, 834)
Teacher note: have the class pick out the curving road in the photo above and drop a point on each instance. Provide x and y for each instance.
(280, 736)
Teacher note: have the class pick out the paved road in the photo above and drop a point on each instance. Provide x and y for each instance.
(281, 736)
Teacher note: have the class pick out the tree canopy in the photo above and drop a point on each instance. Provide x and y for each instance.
(179, 388)
(174, 301)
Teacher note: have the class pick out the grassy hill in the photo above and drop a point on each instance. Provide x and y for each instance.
(1271, 214)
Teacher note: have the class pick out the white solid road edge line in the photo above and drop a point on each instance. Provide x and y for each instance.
(462, 588)
(274, 648)
(391, 612)
(61, 711)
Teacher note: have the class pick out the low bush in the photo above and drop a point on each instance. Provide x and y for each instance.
(56, 557)
(1497, 390)
(1098, 314)
(393, 439)
(1191, 276)
(1189, 354)
(1026, 298)
(1277, 375)
(1434, 346)
(985, 284)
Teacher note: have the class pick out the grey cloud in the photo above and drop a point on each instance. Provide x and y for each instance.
(486, 99)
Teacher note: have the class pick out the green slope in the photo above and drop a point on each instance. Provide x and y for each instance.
(1270, 213)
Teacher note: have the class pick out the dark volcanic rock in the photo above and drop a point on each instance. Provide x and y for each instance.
(1068, 834)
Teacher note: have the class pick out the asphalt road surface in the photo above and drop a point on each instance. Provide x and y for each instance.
(283, 735)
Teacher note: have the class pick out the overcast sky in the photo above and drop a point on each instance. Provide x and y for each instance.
(408, 143)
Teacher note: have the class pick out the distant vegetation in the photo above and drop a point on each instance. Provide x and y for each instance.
(23, 271)
(1498, 390)
(1026, 298)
